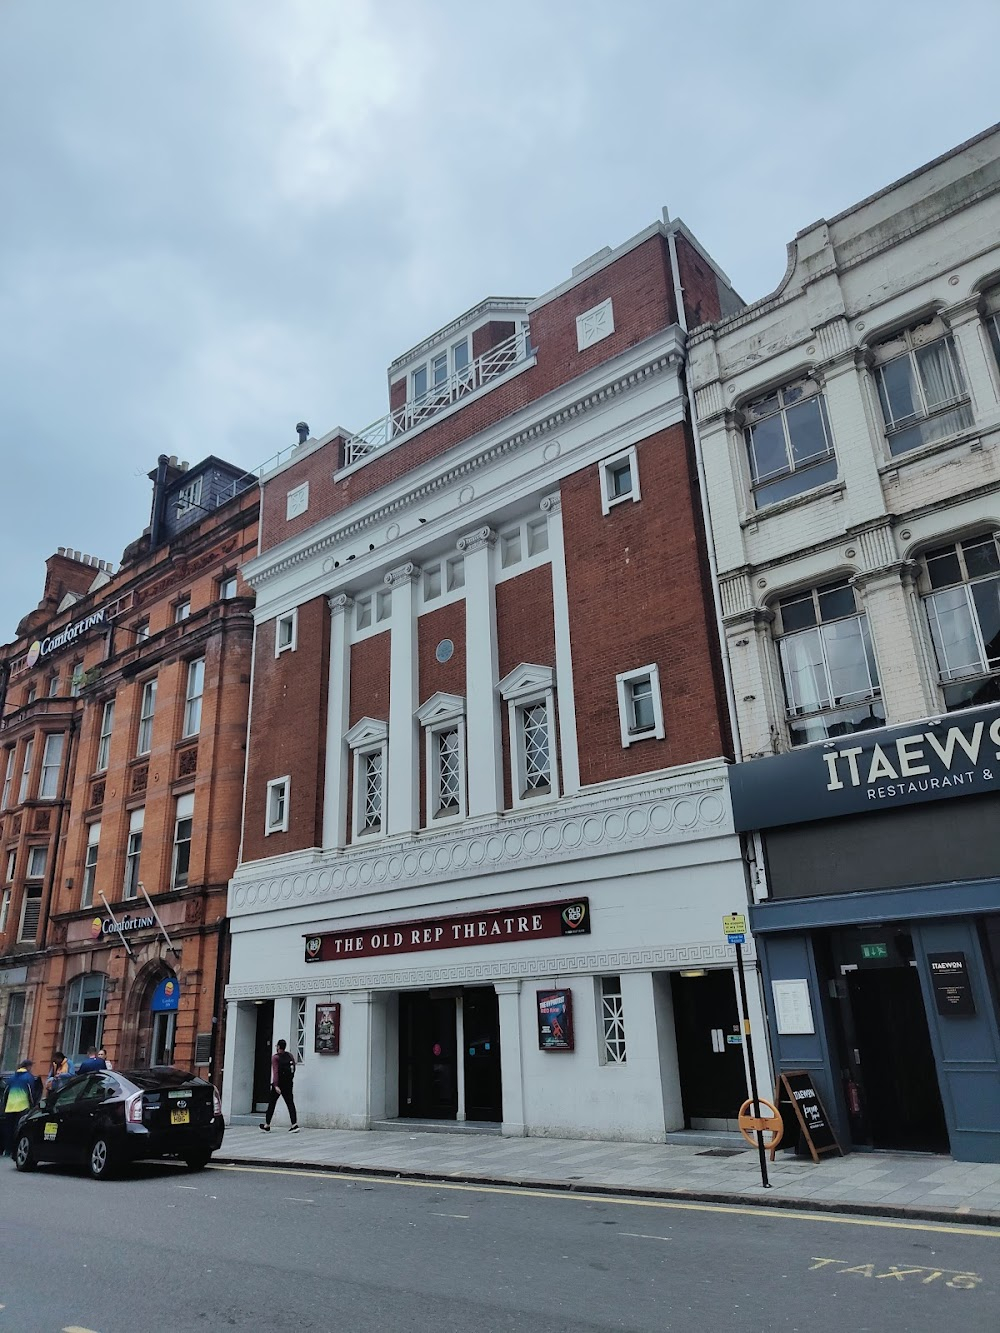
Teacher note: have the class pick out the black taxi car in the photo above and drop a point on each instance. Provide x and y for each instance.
(106, 1120)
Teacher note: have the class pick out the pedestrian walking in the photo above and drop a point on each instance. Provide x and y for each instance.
(21, 1093)
(282, 1076)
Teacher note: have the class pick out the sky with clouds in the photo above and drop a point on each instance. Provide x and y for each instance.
(220, 217)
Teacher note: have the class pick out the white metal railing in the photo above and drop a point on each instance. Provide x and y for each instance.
(255, 474)
(490, 366)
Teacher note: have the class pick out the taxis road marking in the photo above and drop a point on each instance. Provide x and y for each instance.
(672, 1205)
(959, 1279)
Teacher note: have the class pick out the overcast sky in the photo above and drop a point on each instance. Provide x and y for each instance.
(220, 217)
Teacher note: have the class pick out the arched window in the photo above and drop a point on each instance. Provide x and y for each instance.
(85, 1007)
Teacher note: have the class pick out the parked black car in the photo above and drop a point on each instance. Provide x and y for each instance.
(107, 1120)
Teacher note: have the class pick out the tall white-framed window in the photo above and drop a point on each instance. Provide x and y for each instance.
(640, 705)
(182, 611)
(276, 802)
(529, 693)
(828, 663)
(522, 545)
(142, 631)
(13, 1030)
(619, 479)
(789, 442)
(53, 686)
(286, 632)
(11, 865)
(443, 720)
(133, 853)
(920, 386)
(147, 708)
(183, 825)
(227, 587)
(48, 783)
(8, 779)
(38, 859)
(104, 740)
(193, 696)
(86, 1001)
(962, 600)
(612, 1020)
(90, 864)
(368, 740)
(29, 751)
(31, 912)
(299, 1034)
(4, 911)
(76, 679)
(434, 376)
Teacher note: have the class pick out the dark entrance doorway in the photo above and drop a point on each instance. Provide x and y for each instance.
(262, 1055)
(481, 1025)
(891, 1063)
(429, 1054)
(709, 1048)
(428, 1074)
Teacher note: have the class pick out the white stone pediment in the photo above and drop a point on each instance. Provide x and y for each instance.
(367, 731)
(441, 707)
(528, 678)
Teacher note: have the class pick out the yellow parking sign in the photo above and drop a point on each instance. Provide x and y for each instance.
(735, 924)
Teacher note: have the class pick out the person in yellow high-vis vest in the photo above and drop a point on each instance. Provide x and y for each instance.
(20, 1095)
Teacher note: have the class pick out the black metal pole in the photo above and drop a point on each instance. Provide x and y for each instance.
(753, 1073)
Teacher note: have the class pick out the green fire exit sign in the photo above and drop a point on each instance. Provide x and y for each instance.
(874, 951)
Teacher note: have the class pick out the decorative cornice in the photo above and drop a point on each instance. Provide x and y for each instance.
(699, 954)
(475, 541)
(629, 818)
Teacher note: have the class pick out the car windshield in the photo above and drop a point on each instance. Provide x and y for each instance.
(165, 1077)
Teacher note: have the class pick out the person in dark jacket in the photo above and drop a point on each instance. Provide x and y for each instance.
(93, 1063)
(21, 1093)
(282, 1073)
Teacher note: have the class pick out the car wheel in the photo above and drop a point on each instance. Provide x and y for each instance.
(100, 1161)
(24, 1154)
(197, 1161)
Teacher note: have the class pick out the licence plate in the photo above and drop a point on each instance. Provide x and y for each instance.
(180, 1117)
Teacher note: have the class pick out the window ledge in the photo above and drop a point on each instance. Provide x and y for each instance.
(972, 436)
(830, 490)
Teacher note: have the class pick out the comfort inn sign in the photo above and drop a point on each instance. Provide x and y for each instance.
(956, 755)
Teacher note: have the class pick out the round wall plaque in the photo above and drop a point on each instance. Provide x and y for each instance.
(444, 651)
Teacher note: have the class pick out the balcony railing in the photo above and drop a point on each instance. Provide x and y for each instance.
(490, 366)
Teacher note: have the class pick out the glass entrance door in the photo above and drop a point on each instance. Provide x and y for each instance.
(481, 1054)
(709, 1049)
(428, 1072)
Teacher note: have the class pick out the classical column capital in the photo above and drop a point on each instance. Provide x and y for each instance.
(476, 541)
(551, 504)
(340, 604)
(408, 573)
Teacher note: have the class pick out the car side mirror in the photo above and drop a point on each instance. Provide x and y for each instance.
(42, 1104)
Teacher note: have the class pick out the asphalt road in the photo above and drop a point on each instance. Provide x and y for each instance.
(257, 1248)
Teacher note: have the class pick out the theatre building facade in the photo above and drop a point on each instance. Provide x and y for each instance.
(851, 431)
(488, 842)
(122, 749)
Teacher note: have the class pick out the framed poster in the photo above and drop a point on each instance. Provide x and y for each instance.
(792, 1008)
(555, 1020)
(327, 1029)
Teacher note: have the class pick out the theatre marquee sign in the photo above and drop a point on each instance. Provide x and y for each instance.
(538, 921)
(950, 756)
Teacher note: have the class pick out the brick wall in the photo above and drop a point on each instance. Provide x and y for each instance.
(288, 733)
(638, 595)
(640, 286)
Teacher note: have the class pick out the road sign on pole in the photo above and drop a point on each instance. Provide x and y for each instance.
(735, 927)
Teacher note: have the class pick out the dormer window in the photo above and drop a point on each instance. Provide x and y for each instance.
(434, 376)
(189, 496)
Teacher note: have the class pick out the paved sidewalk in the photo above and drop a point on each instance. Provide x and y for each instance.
(890, 1185)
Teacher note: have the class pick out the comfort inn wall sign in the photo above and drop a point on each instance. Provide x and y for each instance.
(538, 921)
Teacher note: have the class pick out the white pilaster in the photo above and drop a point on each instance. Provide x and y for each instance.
(355, 1051)
(565, 697)
(338, 695)
(402, 779)
(237, 1081)
(483, 733)
(511, 1067)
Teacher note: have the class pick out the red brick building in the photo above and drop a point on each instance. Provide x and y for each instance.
(123, 709)
(486, 810)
